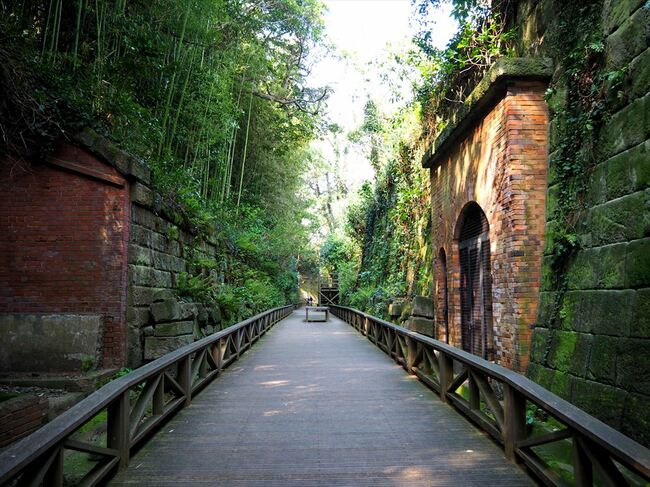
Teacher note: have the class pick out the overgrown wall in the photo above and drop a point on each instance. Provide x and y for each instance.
(591, 343)
(86, 247)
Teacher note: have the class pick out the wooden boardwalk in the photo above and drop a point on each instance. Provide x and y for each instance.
(318, 405)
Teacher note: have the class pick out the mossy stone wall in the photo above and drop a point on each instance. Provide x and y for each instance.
(591, 343)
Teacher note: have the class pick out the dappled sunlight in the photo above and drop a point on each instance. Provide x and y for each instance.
(264, 367)
(274, 412)
(274, 383)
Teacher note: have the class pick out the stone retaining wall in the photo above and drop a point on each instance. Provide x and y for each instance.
(596, 352)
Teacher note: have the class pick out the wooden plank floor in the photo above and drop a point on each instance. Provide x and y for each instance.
(318, 405)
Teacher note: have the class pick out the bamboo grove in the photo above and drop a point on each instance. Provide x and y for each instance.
(212, 94)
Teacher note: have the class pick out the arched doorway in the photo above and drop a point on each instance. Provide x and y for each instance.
(475, 281)
(443, 296)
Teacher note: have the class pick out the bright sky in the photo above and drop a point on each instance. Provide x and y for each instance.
(360, 31)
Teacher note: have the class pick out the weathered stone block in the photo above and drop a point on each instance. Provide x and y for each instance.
(633, 365)
(162, 295)
(638, 263)
(420, 325)
(395, 309)
(602, 364)
(638, 77)
(607, 312)
(615, 12)
(640, 325)
(148, 331)
(137, 317)
(168, 310)
(133, 346)
(189, 311)
(624, 219)
(173, 329)
(562, 384)
(602, 267)
(563, 345)
(202, 315)
(141, 195)
(156, 347)
(629, 40)
(552, 197)
(141, 295)
(214, 315)
(139, 170)
(406, 312)
(582, 354)
(635, 424)
(422, 306)
(627, 128)
(538, 344)
(546, 308)
(542, 375)
(604, 402)
(638, 159)
(49, 342)
(146, 276)
(139, 255)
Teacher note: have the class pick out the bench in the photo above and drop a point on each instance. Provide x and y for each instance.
(318, 309)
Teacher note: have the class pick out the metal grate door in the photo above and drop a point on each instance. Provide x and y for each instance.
(475, 285)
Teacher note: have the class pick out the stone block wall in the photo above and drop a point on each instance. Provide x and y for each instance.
(158, 253)
(591, 344)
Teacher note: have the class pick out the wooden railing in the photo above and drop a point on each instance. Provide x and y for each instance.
(499, 401)
(136, 405)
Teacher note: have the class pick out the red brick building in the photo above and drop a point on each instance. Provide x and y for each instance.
(63, 247)
(488, 184)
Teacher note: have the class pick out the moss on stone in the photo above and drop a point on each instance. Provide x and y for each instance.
(602, 363)
(638, 264)
(640, 325)
(563, 347)
(603, 401)
(635, 424)
(620, 220)
(633, 365)
(595, 268)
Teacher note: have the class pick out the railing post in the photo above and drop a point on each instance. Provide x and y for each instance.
(582, 469)
(412, 350)
(54, 475)
(446, 366)
(185, 378)
(514, 420)
(366, 325)
(474, 394)
(117, 435)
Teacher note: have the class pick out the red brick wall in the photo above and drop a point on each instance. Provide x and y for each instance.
(63, 241)
(501, 165)
(20, 416)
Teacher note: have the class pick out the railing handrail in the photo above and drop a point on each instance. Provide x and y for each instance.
(21, 453)
(622, 447)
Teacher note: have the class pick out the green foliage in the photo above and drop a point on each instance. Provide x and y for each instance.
(448, 75)
(210, 93)
(579, 43)
(197, 288)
